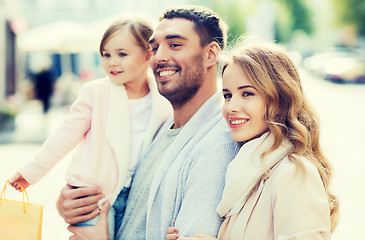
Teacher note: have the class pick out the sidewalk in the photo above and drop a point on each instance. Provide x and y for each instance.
(32, 125)
(17, 147)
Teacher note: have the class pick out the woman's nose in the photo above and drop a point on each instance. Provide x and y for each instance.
(232, 105)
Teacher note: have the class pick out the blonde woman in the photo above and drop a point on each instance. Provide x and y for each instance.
(277, 187)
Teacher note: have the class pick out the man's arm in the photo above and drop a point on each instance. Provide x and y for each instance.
(80, 204)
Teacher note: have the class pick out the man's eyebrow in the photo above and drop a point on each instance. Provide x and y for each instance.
(171, 36)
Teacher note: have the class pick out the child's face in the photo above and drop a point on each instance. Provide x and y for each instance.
(244, 107)
(123, 60)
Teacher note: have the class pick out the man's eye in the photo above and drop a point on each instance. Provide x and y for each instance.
(154, 49)
(175, 45)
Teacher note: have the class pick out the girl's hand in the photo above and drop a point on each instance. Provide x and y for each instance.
(97, 232)
(17, 180)
(172, 233)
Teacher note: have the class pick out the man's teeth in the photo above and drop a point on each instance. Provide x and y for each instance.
(166, 73)
(237, 121)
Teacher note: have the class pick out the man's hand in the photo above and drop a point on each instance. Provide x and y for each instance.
(173, 234)
(79, 204)
(97, 232)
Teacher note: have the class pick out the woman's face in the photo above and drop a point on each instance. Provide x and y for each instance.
(243, 107)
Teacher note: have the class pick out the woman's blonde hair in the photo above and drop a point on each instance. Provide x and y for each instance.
(288, 113)
(140, 28)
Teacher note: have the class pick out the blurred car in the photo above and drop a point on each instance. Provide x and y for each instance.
(338, 65)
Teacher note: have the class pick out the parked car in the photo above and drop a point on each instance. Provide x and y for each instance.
(338, 65)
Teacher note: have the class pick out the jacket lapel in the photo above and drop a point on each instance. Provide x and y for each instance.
(118, 128)
(207, 112)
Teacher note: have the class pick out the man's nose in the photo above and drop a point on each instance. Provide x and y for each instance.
(161, 55)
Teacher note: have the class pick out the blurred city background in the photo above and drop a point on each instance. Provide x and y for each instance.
(49, 48)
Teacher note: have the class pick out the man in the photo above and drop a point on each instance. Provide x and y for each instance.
(181, 177)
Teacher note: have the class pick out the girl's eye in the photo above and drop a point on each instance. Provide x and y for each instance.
(106, 55)
(227, 95)
(122, 54)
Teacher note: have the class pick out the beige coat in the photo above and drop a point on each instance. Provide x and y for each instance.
(288, 205)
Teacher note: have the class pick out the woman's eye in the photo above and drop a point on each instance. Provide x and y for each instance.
(106, 55)
(227, 95)
(122, 54)
(247, 94)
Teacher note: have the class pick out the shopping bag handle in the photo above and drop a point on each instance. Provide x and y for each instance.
(23, 191)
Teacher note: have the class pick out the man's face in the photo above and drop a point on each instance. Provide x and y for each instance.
(177, 60)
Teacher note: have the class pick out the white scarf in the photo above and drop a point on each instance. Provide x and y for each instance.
(245, 170)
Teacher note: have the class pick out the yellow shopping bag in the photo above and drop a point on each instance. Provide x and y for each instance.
(20, 220)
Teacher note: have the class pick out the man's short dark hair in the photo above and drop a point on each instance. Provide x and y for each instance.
(208, 25)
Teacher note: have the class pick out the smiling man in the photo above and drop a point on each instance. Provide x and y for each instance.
(180, 179)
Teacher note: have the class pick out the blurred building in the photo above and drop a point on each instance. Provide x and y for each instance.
(10, 24)
(69, 31)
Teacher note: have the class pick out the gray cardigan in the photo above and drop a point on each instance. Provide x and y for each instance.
(189, 182)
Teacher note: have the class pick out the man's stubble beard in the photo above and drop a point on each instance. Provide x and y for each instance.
(186, 87)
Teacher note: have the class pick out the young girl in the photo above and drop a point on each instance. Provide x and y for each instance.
(277, 187)
(113, 120)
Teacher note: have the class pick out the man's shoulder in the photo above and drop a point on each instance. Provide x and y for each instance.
(215, 138)
(217, 132)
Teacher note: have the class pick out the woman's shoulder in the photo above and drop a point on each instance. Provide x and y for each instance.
(288, 173)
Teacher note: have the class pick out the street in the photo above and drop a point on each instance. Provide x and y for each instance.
(341, 108)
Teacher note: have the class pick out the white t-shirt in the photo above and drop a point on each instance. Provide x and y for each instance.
(140, 110)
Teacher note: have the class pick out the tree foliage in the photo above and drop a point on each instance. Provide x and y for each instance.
(292, 15)
(351, 12)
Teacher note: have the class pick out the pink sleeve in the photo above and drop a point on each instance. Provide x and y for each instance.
(63, 139)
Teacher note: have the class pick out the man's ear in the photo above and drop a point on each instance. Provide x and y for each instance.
(212, 56)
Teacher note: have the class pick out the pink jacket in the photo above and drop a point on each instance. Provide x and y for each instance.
(99, 123)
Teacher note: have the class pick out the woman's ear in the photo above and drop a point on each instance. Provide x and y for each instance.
(212, 56)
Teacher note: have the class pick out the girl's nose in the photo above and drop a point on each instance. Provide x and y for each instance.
(112, 61)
